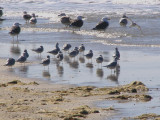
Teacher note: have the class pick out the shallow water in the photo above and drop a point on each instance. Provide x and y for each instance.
(139, 51)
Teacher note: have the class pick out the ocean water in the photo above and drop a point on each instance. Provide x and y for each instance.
(144, 12)
(139, 50)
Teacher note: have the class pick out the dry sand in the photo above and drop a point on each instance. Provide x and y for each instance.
(32, 99)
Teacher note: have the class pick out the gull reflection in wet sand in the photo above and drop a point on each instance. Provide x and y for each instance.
(15, 49)
(100, 72)
(60, 70)
(81, 59)
(23, 69)
(115, 75)
(10, 69)
(46, 74)
(89, 65)
(74, 64)
(67, 59)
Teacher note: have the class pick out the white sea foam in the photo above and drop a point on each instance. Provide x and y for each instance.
(142, 2)
(83, 5)
(149, 2)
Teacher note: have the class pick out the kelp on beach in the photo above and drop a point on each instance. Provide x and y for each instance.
(123, 91)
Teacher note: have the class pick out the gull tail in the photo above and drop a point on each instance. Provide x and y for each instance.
(49, 52)
(105, 66)
(94, 28)
(33, 49)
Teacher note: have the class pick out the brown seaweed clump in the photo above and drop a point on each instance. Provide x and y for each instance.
(150, 116)
(141, 97)
(17, 82)
(121, 92)
(133, 87)
(73, 114)
(77, 113)
(54, 99)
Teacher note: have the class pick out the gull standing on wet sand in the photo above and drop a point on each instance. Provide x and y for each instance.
(26, 53)
(46, 62)
(102, 25)
(60, 56)
(38, 50)
(66, 47)
(1, 12)
(10, 62)
(116, 54)
(74, 52)
(89, 55)
(56, 50)
(65, 19)
(81, 48)
(112, 65)
(15, 30)
(99, 60)
(77, 23)
(26, 16)
(33, 20)
(123, 20)
(22, 58)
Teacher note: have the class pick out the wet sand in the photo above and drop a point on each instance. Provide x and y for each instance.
(33, 99)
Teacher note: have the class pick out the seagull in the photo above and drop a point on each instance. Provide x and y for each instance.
(99, 59)
(26, 53)
(60, 56)
(38, 50)
(77, 23)
(124, 20)
(74, 52)
(76, 49)
(15, 30)
(89, 55)
(81, 48)
(10, 62)
(66, 47)
(65, 19)
(22, 58)
(112, 65)
(116, 54)
(62, 14)
(102, 25)
(26, 16)
(133, 24)
(1, 12)
(33, 20)
(46, 61)
(56, 50)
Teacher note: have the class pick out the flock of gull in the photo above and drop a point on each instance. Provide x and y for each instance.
(74, 24)
(72, 54)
